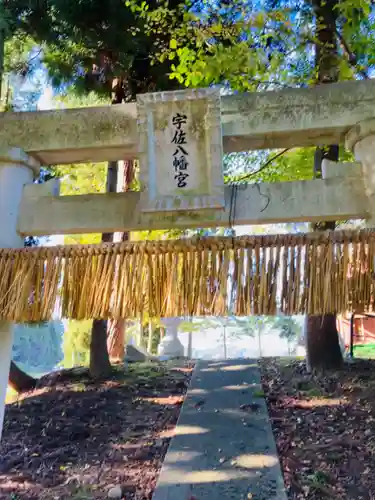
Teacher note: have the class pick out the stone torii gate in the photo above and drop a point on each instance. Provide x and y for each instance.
(327, 114)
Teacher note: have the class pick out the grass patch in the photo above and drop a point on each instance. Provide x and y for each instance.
(366, 351)
(140, 372)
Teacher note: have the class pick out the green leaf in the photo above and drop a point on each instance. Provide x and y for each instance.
(173, 44)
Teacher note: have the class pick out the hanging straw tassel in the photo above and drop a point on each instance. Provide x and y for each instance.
(315, 273)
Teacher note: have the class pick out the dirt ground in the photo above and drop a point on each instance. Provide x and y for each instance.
(72, 438)
(324, 429)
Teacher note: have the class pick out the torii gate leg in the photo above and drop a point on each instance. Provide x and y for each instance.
(16, 170)
(361, 141)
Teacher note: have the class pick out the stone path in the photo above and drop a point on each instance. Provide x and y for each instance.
(224, 446)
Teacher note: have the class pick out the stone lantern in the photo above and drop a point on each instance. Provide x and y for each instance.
(170, 345)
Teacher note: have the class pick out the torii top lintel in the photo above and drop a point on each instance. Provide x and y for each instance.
(274, 119)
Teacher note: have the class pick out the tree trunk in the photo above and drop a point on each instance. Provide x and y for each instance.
(116, 340)
(100, 367)
(115, 343)
(321, 332)
(114, 334)
(2, 49)
(140, 334)
(323, 348)
(116, 330)
(19, 380)
(322, 342)
(150, 336)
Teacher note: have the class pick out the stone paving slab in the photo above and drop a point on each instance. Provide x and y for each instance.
(224, 446)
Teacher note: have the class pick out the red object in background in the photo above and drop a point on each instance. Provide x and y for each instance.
(364, 329)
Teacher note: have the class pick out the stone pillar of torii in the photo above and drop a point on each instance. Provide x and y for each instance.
(16, 170)
(361, 141)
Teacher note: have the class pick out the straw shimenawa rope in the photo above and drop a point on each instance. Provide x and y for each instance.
(313, 273)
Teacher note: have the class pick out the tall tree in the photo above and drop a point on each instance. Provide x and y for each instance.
(98, 45)
(323, 348)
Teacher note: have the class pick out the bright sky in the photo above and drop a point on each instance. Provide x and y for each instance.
(46, 100)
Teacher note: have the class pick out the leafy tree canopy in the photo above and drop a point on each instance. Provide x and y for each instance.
(90, 42)
(251, 46)
(139, 45)
(77, 343)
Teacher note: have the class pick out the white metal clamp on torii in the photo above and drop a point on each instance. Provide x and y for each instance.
(180, 138)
